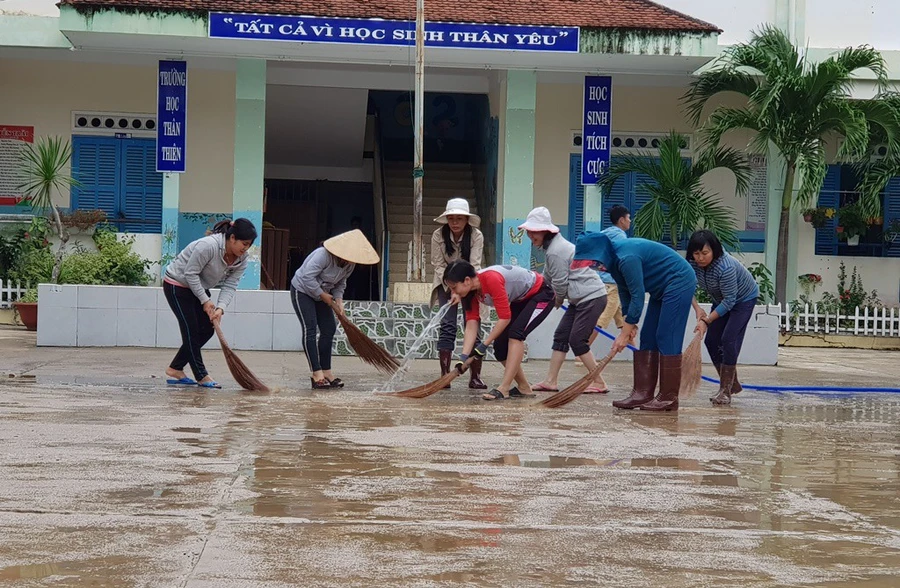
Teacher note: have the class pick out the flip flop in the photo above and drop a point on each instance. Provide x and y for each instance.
(185, 381)
(542, 388)
(335, 383)
(595, 390)
(209, 385)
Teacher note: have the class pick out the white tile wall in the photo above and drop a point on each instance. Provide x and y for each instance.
(253, 331)
(140, 298)
(136, 328)
(97, 327)
(98, 297)
(282, 303)
(57, 296)
(57, 325)
(252, 301)
(287, 334)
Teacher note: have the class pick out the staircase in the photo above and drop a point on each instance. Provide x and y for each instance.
(443, 181)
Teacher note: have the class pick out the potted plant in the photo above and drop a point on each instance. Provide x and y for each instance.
(853, 224)
(26, 306)
(818, 216)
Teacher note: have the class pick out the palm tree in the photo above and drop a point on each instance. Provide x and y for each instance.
(678, 202)
(45, 172)
(876, 173)
(795, 105)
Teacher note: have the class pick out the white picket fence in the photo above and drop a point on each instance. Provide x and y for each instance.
(878, 322)
(10, 293)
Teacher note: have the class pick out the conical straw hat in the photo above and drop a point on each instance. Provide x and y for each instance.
(354, 247)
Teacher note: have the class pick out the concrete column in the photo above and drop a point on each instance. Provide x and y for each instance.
(593, 205)
(249, 155)
(518, 167)
(170, 211)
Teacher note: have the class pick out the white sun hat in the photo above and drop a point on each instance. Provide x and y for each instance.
(458, 206)
(539, 220)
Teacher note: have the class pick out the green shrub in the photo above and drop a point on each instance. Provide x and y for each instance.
(113, 264)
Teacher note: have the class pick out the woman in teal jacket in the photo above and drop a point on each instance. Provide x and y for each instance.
(642, 267)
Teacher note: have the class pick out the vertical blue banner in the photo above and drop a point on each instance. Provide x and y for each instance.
(171, 116)
(596, 130)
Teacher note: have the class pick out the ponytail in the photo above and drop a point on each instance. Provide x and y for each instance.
(241, 229)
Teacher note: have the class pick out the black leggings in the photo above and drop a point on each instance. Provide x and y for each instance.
(524, 320)
(316, 318)
(575, 327)
(196, 328)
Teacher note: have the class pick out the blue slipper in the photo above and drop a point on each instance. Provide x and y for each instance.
(182, 382)
(209, 384)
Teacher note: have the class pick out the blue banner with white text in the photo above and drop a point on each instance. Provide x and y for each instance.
(171, 116)
(596, 132)
(397, 33)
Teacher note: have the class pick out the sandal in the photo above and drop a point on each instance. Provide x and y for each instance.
(595, 390)
(215, 385)
(542, 388)
(493, 395)
(335, 383)
(514, 392)
(322, 384)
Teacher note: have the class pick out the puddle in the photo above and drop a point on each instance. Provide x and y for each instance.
(553, 461)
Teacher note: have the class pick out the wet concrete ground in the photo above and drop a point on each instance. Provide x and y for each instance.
(108, 478)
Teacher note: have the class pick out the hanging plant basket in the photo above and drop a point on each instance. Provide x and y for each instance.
(853, 241)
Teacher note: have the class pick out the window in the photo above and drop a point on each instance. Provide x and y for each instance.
(839, 190)
(118, 176)
(626, 193)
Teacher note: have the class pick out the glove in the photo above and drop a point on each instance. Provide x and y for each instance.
(480, 350)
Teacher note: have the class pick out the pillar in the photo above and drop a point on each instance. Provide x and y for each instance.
(593, 206)
(170, 208)
(518, 167)
(249, 155)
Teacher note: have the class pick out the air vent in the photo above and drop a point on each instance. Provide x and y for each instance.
(632, 142)
(112, 123)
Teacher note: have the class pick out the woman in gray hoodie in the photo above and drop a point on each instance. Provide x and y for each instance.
(220, 260)
(586, 293)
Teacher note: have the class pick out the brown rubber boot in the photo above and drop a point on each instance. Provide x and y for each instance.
(646, 372)
(669, 384)
(736, 386)
(475, 382)
(444, 356)
(726, 384)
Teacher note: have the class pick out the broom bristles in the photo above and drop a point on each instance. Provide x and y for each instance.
(366, 349)
(691, 368)
(436, 386)
(245, 378)
(567, 395)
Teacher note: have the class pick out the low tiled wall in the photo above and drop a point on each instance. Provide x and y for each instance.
(126, 316)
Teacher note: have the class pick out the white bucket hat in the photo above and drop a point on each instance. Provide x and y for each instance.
(458, 206)
(539, 220)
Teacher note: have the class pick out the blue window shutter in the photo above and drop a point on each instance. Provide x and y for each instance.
(892, 212)
(829, 196)
(141, 194)
(95, 166)
(617, 197)
(576, 197)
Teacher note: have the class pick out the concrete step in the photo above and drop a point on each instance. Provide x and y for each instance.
(450, 183)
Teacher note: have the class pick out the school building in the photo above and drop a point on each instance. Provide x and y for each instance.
(300, 117)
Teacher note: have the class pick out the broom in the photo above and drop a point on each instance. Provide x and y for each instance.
(436, 386)
(242, 374)
(567, 395)
(691, 367)
(367, 350)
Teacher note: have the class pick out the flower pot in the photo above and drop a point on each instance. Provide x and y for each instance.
(28, 312)
(807, 218)
(853, 241)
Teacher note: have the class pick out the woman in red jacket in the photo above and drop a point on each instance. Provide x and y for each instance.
(522, 300)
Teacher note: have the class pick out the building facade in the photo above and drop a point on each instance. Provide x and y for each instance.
(305, 122)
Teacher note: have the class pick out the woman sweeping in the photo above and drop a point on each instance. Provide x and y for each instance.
(734, 293)
(585, 291)
(522, 300)
(459, 238)
(644, 267)
(216, 260)
(317, 292)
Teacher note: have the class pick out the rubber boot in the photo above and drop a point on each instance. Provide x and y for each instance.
(646, 372)
(736, 386)
(669, 384)
(726, 384)
(475, 382)
(444, 356)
